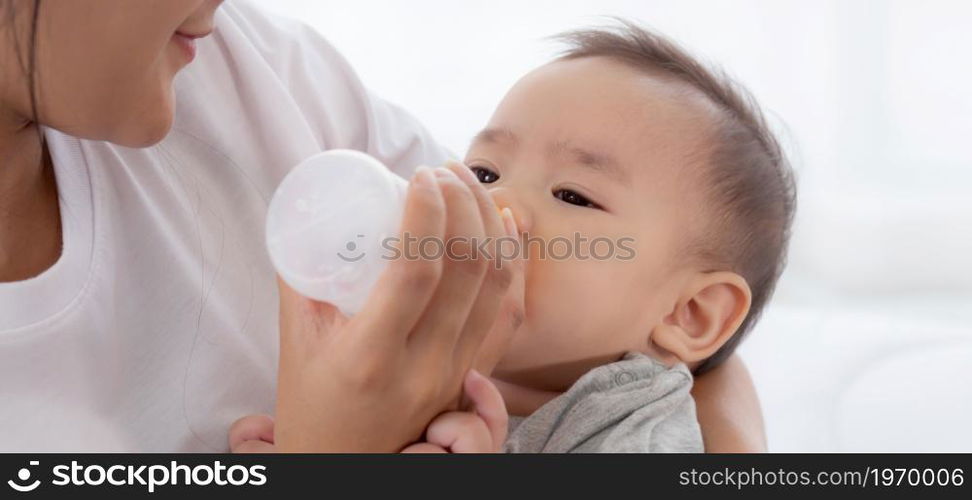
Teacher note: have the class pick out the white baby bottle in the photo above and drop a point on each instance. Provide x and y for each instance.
(328, 226)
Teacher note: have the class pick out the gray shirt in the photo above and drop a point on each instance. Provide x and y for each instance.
(635, 405)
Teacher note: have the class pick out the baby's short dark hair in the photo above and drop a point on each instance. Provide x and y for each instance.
(749, 180)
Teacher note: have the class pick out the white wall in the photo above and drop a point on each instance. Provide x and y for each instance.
(872, 98)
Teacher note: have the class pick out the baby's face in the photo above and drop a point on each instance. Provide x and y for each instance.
(592, 148)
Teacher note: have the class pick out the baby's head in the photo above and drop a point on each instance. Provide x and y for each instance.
(627, 138)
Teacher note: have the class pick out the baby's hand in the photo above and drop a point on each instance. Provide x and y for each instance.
(480, 430)
(252, 434)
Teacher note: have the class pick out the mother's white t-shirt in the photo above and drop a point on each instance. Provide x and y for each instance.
(157, 326)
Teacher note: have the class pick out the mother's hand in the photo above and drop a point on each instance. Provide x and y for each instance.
(372, 382)
(728, 409)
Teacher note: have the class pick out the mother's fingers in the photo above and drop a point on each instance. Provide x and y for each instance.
(488, 210)
(511, 310)
(404, 290)
(462, 272)
(498, 274)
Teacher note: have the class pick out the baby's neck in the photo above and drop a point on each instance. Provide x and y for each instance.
(523, 400)
(520, 400)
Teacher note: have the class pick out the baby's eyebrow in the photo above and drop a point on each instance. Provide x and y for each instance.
(494, 135)
(598, 161)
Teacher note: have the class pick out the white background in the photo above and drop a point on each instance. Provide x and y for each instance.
(867, 346)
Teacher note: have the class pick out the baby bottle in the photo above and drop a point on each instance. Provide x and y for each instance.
(328, 225)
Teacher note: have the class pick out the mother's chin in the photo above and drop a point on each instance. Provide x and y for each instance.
(144, 121)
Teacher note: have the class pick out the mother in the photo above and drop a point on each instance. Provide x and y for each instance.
(138, 310)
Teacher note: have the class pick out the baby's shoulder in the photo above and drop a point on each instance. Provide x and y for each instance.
(636, 404)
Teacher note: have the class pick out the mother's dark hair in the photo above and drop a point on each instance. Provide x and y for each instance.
(26, 57)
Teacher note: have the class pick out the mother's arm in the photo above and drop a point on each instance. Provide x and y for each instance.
(728, 410)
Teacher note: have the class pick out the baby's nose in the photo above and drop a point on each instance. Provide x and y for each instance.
(506, 198)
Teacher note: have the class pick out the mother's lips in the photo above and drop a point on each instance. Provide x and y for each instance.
(193, 36)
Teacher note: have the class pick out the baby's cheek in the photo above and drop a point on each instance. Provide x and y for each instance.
(578, 300)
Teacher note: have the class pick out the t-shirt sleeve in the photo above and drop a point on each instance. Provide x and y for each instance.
(335, 105)
(670, 428)
(666, 423)
(636, 405)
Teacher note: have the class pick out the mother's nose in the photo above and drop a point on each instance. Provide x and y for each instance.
(506, 197)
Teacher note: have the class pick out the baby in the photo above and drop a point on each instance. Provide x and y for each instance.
(670, 175)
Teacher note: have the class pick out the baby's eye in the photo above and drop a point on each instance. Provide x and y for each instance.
(485, 175)
(574, 198)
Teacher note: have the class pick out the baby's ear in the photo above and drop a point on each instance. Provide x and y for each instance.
(707, 314)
